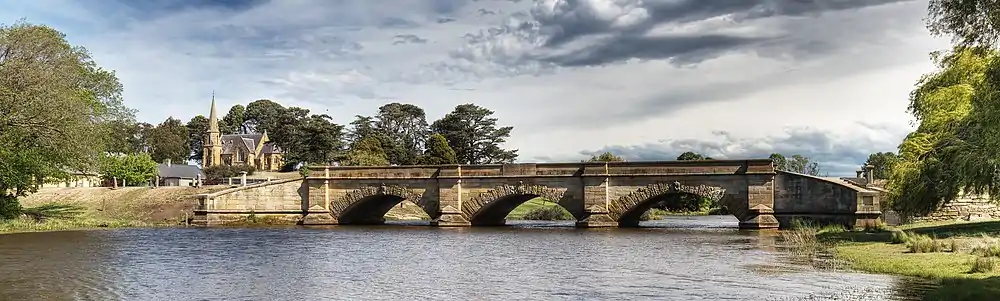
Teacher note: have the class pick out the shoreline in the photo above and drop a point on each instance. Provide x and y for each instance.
(947, 253)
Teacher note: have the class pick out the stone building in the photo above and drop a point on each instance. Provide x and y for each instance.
(239, 149)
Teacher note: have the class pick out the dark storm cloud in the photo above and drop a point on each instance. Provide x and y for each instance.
(627, 36)
(837, 156)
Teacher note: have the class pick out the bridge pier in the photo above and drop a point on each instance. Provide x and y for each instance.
(450, 217)
(597, 217)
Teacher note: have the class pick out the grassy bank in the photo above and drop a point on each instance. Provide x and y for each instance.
(963, 257)
(102, 207)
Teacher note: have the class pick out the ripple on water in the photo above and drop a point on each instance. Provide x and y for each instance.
(705, 258)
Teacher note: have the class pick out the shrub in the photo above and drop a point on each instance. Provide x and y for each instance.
(984, 265)
(220, 172)
(901, 237)
(548, 213)
(305, 171)
(924, 244)
(10, 208)
(987, 249)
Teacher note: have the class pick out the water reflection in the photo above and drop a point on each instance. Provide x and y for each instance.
(687, 258)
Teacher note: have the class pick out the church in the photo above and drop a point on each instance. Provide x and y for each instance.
(239, 149)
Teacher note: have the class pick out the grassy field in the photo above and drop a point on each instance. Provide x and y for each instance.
(958, 255)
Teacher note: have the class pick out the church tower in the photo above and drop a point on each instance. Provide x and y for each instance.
(212, 145)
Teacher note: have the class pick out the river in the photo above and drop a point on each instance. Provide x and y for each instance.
(679, 258)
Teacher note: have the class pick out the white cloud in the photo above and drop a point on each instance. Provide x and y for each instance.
(635, 76)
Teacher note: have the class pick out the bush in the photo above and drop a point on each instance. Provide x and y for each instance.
(924, 244)
(220, 172)
(984, 265)
(987, 249)
(10, 208)
(548, 213)
(901, 237)
(305, 171)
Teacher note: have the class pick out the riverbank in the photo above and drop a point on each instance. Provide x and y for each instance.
(963, 257)
(102, 207)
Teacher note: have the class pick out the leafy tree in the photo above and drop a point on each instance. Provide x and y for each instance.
(128, 137)
(263, 115)
(169, 140)
(131, 168)
(797, 164)
(57, 106)
(938, 160)
(405, 127)
(234, 122)
(197, 128)
(780, 162)
(361, 127)
(968, 22)
(606, 157)
(438, 152)
(474, 135)
(688, 156)
(882, 163)
(317, 141)
(367, 152)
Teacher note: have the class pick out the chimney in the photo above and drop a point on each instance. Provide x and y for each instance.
(167, 162)
(868, 173)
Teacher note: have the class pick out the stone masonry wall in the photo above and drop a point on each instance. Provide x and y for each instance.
(823, 200)
(965, 208)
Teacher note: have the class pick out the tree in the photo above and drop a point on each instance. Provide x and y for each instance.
(169, 140)
(234, 122)
(687, 156)
(131, 168)
(316, 140)
(263, 115)
(797, 164)
(474, 135)
(361, 127)
(197, 128)
(367, 152)
(57, 106)
(438, 152)
(405, 127)
(780, 162)
(968, 22)
(606, 157)
(882, 163)
(948, 152)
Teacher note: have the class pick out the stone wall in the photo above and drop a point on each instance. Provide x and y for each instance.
(964, 208)
(824, 200)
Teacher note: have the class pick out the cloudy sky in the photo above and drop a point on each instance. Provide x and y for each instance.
(646, 79)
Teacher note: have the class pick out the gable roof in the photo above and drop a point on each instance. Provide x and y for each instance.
(178, 171)
(230, 143)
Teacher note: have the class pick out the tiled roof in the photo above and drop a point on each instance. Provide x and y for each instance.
(178, 171)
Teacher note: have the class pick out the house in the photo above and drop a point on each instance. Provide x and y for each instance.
(169, 174)
(256, 150)
(75, 179)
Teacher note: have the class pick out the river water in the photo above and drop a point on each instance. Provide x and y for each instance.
(682, 258)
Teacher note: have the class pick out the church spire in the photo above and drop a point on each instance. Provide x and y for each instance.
(213, 120)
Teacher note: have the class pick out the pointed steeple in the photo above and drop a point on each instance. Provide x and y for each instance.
(213, 120)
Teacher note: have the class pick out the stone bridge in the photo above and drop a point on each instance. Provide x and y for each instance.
(598, 194)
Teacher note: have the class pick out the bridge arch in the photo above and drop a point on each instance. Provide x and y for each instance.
(627, 210)
(369, 204)
(490, 208)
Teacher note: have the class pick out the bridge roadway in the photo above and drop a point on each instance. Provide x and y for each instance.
(598, 194)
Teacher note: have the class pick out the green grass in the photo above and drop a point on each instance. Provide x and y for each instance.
(963, 257)
(531, 205)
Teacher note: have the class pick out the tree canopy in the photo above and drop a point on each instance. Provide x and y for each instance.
(606, 157)
(473, 133)
(58, 107)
